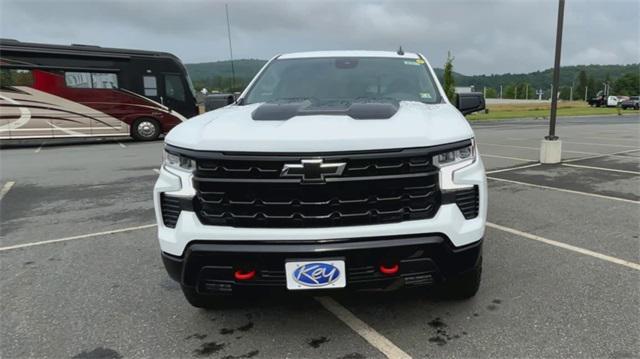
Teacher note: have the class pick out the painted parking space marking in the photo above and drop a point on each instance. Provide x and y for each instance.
(39, 148)
(82, 236)
(514, 168)
(564, 190)
(614, 154)
(600, 144)
(601, 168)
(563, 245)
(377, 340)
(122, 144)
(156, 170)
(534, 148)
(7, 186)
(507, 157)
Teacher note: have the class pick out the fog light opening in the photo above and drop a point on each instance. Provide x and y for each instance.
(389, 269)
(241, 275)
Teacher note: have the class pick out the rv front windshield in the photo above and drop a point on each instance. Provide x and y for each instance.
(345, 79)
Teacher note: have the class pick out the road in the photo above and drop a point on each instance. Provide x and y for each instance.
(561, 263)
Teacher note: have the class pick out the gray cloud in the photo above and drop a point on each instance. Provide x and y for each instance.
(484, 36)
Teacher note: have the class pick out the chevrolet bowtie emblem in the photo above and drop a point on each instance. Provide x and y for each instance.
(313, 170)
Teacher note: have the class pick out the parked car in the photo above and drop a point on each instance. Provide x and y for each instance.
(598, 101)
(633, 102)
(338, 170)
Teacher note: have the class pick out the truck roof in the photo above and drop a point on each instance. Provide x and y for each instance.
(348, 53)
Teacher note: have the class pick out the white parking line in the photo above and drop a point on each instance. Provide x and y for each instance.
(513, 168)
(570, 247)
(7, 186)
(637, 140)
(604, 155)
(599, 144)
(39, 148)
(507, 157)
(565, 190)
(156, 170)
(82, 236)
(480, 144)
(601, 168)
(122, 144)
(369, 334)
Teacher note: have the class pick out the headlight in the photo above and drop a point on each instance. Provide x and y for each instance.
(456, 156)
(176, 161)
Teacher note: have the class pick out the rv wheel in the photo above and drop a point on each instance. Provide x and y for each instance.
(145, 129)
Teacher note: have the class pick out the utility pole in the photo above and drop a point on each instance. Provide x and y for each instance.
(526, 92)
(586, 88)
(501, 92)
(233, 70)
(571, 93)
(515, 92)
(551, 146)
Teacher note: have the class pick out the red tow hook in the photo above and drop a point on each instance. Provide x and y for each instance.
(244, 275)
(389, 269)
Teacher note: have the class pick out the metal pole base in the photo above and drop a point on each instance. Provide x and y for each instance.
(550, 151)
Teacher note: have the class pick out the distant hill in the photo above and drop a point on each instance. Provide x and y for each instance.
(217, 75)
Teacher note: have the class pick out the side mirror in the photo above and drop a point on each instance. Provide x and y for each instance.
(230, 99)
(470, 102)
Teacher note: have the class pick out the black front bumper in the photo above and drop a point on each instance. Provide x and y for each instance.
(423, 259)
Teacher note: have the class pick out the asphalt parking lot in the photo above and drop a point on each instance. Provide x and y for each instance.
(561, 271)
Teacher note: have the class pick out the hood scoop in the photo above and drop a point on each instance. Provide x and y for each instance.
(362, 110)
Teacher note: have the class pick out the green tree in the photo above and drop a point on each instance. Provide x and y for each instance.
(449, 84)
(491, 93)
(581, 85)
(628, 85)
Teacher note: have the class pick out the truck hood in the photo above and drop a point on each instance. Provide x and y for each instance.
(232, 129)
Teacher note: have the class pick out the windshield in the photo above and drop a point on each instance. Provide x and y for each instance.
(345, 79)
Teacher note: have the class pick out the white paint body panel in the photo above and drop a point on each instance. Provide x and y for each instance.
(231, 129)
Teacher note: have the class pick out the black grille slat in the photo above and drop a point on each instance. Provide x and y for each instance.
(468, 202)
(170, 208)
(378, 189)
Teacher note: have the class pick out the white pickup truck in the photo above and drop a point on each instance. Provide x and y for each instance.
(337, 170)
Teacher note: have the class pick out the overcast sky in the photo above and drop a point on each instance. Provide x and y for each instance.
(484, 36)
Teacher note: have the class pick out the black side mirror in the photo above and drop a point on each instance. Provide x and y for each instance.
(230, 99)
(470, 102)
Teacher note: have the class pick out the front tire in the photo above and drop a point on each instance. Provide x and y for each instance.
(463, 286)
(145, 129)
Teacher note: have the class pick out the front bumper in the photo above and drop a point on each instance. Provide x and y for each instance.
(423, 259)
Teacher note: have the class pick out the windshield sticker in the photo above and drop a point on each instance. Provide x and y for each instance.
(425, 95)
(420, 61)
(411, 63)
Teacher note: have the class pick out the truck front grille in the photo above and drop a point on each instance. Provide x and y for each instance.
(375, 187)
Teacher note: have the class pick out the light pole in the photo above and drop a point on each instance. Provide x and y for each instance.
(551, 146)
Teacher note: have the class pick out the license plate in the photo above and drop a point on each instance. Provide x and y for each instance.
(317, 274)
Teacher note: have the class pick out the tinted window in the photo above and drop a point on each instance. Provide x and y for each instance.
(78, 79)
(346, 79)
(11, 77)
(104, 81)
(173, 87)
(96, 80)
(150, 86)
